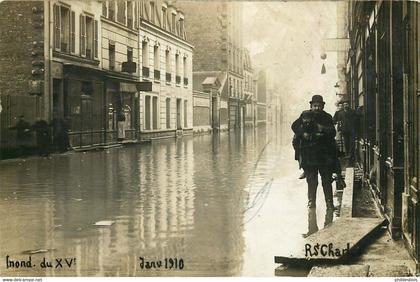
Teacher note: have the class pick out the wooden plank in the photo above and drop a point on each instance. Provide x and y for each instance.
(346, 210)
(334, 244)
(355, 270)
(387, 270)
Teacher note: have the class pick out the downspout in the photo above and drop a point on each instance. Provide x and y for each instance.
(46, 111)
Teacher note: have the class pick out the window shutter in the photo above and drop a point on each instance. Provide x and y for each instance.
(95, 42)
(57, 24)
(73, 32)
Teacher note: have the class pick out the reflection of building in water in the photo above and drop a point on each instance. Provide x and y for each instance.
(223, 198)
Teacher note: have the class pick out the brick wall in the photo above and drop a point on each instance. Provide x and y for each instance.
(20, 26)
(18, 31)
(203, 23)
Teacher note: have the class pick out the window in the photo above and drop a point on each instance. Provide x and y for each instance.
(121, 12)
(181, 27)
(155, 112)
(130, 14)
(184, 66)
(129, 54)
(177, 77)
(104, 9)
(82, 25)
(145, 54)
(164, 19)
(63, 27)
(173, 22)
(95, 39)
(185, 113)
(145, 58)
(73, 32)
(152, 12)
(168, 113)
(111, 10)
(111, 55)
(156, 57)
(167, 61)
(147, 113)
(90, 37)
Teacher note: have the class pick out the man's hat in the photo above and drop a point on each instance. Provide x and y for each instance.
(317, 99)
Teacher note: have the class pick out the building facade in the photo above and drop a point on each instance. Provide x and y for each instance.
(382, 78)
(166, 61)
(262, 91)
(249, 91)
(112, 71)
(220, 49)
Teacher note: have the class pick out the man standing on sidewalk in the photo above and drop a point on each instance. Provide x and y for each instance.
(318, 157)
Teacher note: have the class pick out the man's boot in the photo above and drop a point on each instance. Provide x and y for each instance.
(303, 175)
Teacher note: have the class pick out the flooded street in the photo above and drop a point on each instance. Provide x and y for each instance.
(224, 204)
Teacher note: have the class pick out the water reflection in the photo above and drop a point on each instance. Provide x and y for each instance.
(188, 198)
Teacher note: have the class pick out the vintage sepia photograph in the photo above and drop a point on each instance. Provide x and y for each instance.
(198, 138)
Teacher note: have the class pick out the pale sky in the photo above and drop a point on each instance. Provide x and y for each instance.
(286, 38)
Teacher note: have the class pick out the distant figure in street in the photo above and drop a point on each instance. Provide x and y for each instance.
(60, 135)
(318, 155)
(43, 137)
(348, 130)
(23, 135)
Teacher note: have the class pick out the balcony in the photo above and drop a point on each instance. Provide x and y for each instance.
(146, 72)
(185, 80)
(168, 77)
(157, 74)
(178, 79)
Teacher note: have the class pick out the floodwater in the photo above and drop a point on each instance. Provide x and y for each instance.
(211, 205)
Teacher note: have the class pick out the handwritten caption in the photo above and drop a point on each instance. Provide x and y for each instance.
(44, 263)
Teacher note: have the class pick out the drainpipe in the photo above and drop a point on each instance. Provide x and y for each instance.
(46, 107)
